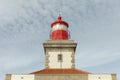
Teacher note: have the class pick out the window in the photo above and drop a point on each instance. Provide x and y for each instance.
(59, 57)
(99, 77)
(21, 77)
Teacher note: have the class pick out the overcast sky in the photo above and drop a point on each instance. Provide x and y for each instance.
(25, 25)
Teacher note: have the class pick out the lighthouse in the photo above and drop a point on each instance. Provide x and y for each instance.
(60, 63)
(60, 30)
(59, 50)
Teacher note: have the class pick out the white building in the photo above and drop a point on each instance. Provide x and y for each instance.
(60, 59)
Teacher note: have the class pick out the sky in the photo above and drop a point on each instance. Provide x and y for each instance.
(93, 24)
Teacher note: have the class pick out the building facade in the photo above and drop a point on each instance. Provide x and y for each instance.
(60, 59)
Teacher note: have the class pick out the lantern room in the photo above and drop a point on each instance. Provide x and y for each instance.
(59, 30)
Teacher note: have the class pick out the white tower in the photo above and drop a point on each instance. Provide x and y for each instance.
(60, 51)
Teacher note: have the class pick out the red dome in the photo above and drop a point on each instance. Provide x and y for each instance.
(59, 21)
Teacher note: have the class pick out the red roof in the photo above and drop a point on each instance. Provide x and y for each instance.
(59, 21)
(60, 71)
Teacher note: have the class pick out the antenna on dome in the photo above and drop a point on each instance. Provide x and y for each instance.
(60, 7)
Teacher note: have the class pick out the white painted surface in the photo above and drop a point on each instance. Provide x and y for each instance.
(66, 63)
(22, 77)
(99, 77)
(59, 27)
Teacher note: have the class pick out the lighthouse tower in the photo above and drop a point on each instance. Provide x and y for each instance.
(59, 51)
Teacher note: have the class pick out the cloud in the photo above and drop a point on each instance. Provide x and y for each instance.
(98, 57)
(25, 25)
(19, 56)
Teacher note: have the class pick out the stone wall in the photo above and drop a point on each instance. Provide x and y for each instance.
(62, 77)
(8, 77)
